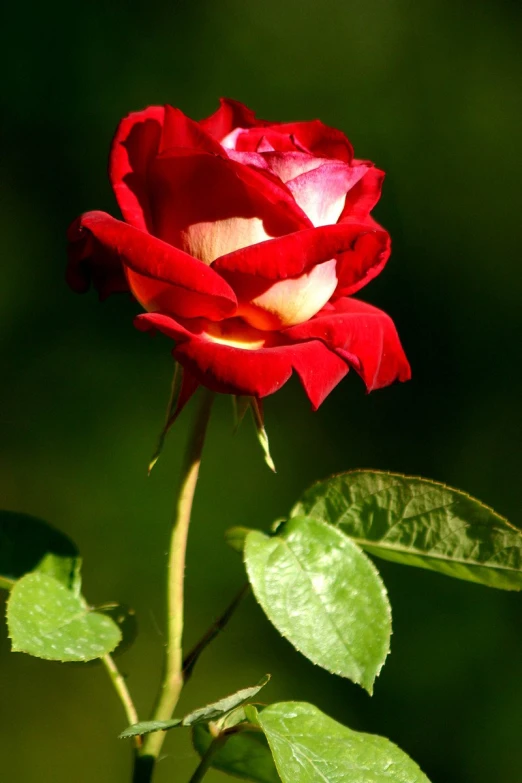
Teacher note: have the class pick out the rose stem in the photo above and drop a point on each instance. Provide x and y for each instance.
(172, 681)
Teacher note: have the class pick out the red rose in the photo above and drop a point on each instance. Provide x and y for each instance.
(244, 241)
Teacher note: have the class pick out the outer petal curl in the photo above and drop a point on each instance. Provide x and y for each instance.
(159, 275)
(362, 335)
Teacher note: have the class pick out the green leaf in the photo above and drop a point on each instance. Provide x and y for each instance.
(205, 714)
(228, 703)
(324, 595)
(245, 754)
(149, 726)
(47, 620)
(420, 523)
(308, 747)
(30, 544)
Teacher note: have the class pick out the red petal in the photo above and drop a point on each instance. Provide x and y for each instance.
(363, 262)
(140, 137)
(362, 335)
(180, 131)
(320, 139)
(320, 370)
(313, 137)
(361, 199)
(191, 190)
(230, 115)
(161, 276)
(291, 255)
(251, 139)
(135, 145)
(321, 192)
(257, 373)
(89, 261)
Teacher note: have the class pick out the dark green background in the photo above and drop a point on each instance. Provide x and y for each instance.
(431, 92)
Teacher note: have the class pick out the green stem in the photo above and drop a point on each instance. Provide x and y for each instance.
(172, 681)
(205, 762)
(120, 686)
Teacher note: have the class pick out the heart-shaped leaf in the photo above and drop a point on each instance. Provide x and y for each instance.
(308, 747)
(245, 754)
(210, 712)
(30, 544)
(324, 595)
(47, 620)
(420, 523)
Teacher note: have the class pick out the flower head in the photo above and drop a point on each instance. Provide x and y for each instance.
(244, 241)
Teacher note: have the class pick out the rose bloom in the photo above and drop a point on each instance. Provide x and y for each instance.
(244, 241)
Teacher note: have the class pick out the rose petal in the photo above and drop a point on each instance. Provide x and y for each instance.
(321, 193)
(258, 373)
(288, 165)
(249, 140)
(365, 194)
(90, 262)
(293, 254)
(230, 115)
(180, 131)
(313, 137)
(209, 206)
(160, 276)
(320, 139)
(284, 302)
(362, 335)
(134, 146)
(367, 258)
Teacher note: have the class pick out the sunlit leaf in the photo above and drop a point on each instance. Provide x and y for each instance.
(47, 620)
(420, 523)
(324, 595)
(310, 747)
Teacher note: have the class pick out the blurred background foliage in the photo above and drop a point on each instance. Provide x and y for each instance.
(431, 92)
